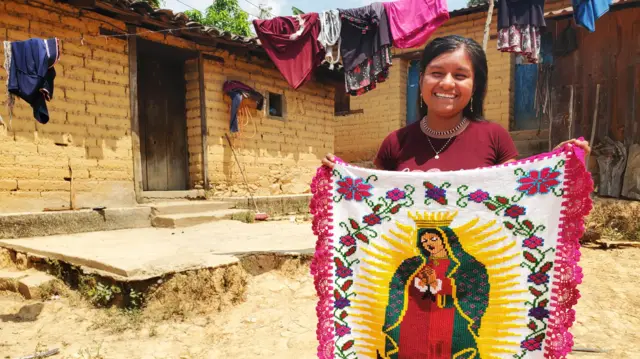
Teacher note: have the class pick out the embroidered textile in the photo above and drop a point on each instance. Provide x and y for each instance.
(521, 39)
(467, 264)
(365, 77)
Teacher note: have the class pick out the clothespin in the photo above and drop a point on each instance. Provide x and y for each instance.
(82, 40)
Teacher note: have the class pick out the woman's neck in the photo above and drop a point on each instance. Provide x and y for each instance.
(439, 123)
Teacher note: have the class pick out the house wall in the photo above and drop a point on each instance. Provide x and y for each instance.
(89, 117)
(90, 121)
(278, 155)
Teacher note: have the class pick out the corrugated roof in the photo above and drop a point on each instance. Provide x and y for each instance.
(144, 15)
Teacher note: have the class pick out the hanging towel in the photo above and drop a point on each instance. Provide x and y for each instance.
(412, 22)
(238, 91)
(330, 26)
(586, 12)
(365, 47)
(520, 25)
(296, 54)
(32, 73)
(466, 264)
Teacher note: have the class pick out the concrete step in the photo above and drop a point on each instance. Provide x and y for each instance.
(28, 283)
(192, 219)
(184, 207)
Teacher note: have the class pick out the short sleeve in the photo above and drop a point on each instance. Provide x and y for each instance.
(386, 158)
(505, 147)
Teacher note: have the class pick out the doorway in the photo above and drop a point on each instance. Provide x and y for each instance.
(162, 116)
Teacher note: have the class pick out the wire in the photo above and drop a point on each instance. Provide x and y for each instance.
(193, 8)
(260, 8)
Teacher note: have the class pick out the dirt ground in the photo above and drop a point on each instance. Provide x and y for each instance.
(278, 321)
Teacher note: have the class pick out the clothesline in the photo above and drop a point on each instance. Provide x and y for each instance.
(127, 35)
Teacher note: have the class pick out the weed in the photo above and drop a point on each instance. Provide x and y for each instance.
(93, 353)
(54, 268)
(246, 217)
(98, 293)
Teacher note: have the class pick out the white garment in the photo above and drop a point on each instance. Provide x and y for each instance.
(423, 289)
(330, 26)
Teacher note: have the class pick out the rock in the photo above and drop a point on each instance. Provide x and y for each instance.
(22, 262)
(9, 280)
(29, 286)
(275, 189)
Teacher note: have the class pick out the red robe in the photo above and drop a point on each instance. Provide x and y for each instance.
(426, 330)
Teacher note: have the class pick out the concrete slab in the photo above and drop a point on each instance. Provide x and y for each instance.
(181, 207)
(29, 286)
(192, 219)
(19, 225)
(138, 254)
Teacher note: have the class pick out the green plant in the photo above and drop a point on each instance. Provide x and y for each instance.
(99, 294)
(223, 14)
(135, 299)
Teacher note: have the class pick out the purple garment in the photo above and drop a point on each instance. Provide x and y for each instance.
(520, 12)
(237, 86)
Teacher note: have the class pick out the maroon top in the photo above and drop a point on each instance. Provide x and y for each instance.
(481, 144)
(295, 56)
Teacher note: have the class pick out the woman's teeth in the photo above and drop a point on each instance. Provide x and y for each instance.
(444, 95)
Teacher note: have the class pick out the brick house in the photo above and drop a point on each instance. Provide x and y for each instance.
(132, 116)
(370, 117)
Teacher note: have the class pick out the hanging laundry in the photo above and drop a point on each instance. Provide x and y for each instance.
(412, 22)
(330, 26)
(238, 91)
(520, 24)
(586, 12)
(31, 73)
(292, 44)
(366, 47)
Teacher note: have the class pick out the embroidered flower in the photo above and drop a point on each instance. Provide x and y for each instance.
(347, 241)
(342, 303)
(372, 219)
(539, 181)
(436, 193)
(515, 211)
(531, 345)
(354, 188)
(539, 313)
(533, 242)
(342, 330)
(479, 196)
(344, 272)
(538, 278)
(396, 194)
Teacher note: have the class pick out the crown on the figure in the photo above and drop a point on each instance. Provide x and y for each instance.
(433, 219)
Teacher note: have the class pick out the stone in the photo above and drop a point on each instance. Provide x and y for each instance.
(295, 188)
(9, 280)
(22, 262)
(275, 189)
(29, 286)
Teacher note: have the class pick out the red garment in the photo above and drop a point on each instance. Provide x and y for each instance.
(481, 144)
(427, 330)
(295, 58)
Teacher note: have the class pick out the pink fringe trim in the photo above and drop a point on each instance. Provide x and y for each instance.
(321, 208)
(577, 204)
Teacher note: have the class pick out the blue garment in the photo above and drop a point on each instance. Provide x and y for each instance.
(236, 100)
(586, 12)
(31, 73)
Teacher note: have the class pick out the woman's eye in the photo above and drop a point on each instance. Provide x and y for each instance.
(461, 77)
(437, 73)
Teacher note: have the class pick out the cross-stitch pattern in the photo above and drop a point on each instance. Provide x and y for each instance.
(466, 265)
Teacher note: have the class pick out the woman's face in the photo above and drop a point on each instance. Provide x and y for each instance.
(447, 83)
(432, 243)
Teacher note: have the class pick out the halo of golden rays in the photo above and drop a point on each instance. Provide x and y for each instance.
(497, 336)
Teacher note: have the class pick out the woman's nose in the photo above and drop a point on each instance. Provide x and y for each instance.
(447, 82)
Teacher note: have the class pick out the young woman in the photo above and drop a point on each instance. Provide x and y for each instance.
(453, 135)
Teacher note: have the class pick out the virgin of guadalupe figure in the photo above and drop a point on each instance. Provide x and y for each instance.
(436, 299)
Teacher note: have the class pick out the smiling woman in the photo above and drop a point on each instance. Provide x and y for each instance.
(453, 134)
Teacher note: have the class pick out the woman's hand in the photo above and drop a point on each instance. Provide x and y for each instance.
(583, 145)
(329, 160)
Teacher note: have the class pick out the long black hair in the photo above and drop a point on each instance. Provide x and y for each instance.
(478, 58)
(422, 232)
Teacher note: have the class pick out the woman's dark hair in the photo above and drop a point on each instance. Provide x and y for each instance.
(478, 58)
(422, 232)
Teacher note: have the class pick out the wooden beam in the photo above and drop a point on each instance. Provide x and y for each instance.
(135, 121)
(487, 25)
(203, 122)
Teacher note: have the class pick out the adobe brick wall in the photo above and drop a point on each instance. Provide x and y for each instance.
(89, 112)
(278, 155)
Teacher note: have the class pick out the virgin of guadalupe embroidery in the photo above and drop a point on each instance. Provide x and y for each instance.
(465, 265)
